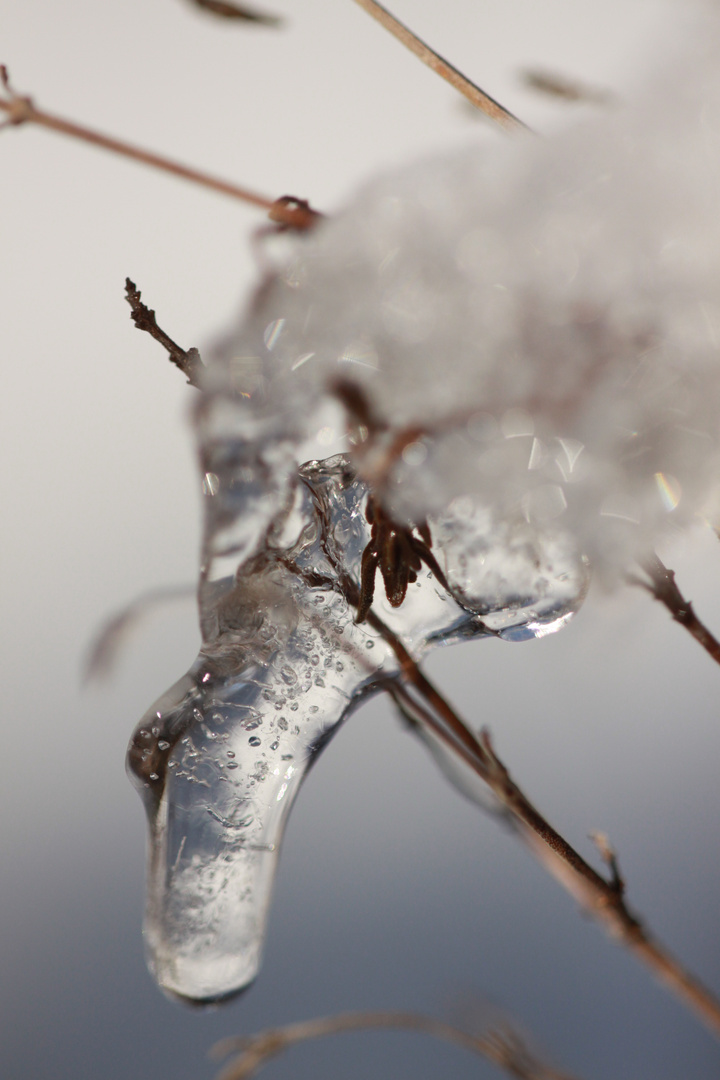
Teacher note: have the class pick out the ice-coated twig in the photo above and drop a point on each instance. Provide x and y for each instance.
(601, 898)
(21, 110)
(188, 361)
(502, 1046)
(663, 587)
(441, 67)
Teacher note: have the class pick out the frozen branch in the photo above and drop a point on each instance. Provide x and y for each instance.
(441, 67)
(502, 1047)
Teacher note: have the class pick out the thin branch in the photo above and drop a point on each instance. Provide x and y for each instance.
(443, 68)
(225, 10)
(21, 110)
(603, 900)
(109, 638)
(503, 1048)
(559, 86)
(663, 587)
(188, 360)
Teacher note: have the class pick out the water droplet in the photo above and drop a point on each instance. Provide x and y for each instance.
(254, 741)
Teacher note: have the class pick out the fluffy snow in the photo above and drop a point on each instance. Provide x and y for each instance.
(534, 326)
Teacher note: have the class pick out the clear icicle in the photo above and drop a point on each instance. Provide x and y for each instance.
(220, 758)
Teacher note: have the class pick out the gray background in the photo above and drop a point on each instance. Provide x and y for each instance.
(393, 892)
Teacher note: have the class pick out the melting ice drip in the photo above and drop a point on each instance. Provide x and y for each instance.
(220, 757)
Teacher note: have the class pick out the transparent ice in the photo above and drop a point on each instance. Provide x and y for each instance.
(219, 759)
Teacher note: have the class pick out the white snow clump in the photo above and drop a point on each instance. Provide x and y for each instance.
(534, 328)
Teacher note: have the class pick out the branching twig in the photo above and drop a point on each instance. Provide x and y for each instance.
(663, 587)
(603, 900)
(473, 93)
(188, 361)
(502, 1047)
(21, 110)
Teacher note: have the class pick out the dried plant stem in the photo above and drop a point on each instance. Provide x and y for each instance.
(441, 67)
(21, 110)
(503, 1048)
(225, 10)
(663, 587)
(602, 899)
(187, 360)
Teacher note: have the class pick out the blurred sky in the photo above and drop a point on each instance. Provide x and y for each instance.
(392, 891)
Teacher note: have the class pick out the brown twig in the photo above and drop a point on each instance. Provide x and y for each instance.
(21, 110)
(603, 900)
(225, 10)
(109, 638)
(559, 86)
(663, 587)
(502, 1047)
(443, 68)
(188, 360)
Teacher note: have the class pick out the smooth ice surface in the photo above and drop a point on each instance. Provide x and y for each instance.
(220, 757)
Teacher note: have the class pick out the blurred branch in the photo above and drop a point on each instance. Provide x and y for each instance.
(503, 1048)
(443, 68)
(570, 90)
(663, 587)
(108, 640)
(225, 10)
(21, 110)
(188, 361)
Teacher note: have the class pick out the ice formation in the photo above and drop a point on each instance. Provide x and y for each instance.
(515, 356)
(220, 757)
